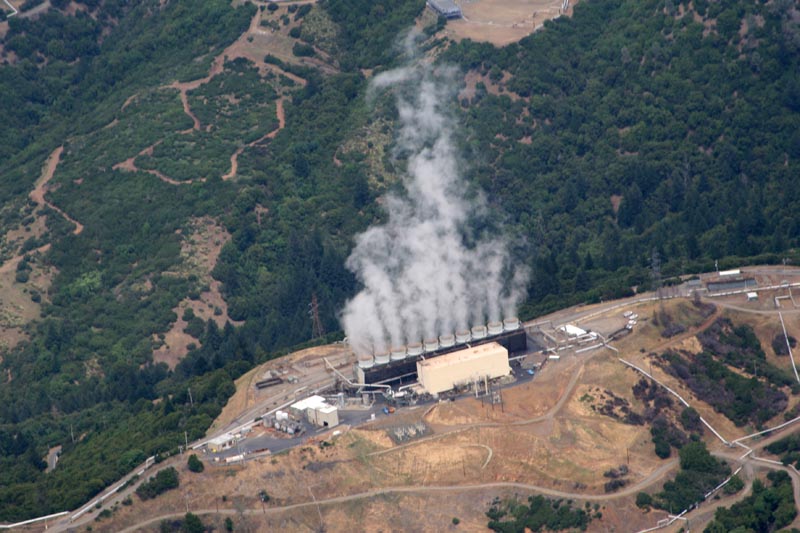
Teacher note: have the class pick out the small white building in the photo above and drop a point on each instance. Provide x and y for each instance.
(572, 330)
(223, 442)
(752, 296)
(317, 411)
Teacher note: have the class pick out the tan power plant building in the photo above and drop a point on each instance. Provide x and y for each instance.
(444, 372)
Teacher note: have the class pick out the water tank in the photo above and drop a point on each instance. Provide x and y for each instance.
(431, 345)
(382, 358)
(479, 332)
(495, 328)
(510, 324)
(366, 361)
(398, 353)
(414, 349)
(463, 336)
(446, 341)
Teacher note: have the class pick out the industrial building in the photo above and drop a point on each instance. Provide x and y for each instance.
(223, 442)
(399, 366)
(445, 8)
(446, 372)
(317, 411)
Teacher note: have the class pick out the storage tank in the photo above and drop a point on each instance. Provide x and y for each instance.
(431, 345)
(382, 358)
(511, 324)
(366, 361)
(398, 353)
(463, 336)
(495, 328)
(446, 341)
(479, 332)
(414, 349)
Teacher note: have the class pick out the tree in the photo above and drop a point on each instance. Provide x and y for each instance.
(192, 524)
(195, 464)
(643, 500)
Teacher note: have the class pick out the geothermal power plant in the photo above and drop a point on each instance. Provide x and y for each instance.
(399, 365)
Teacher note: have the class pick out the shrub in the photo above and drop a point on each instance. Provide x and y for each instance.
(734, 485)
(643, 500)
(192, 524)
(195, 464)
(302, 50)
(163, 481)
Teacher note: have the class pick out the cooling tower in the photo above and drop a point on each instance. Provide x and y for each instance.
(382, 358)
(398, 353)
(446, 341)
(510, 324)
(366, 361)
(478, 332)
(431, 345)
(414, 349)
(495, 328)
(463, 336)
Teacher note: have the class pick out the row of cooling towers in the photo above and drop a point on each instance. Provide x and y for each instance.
(415, 349)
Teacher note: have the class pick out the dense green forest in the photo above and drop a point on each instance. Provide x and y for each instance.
(770, 508)
(690, 119)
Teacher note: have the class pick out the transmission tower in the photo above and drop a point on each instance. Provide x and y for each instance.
(316, 324)
(655, 265)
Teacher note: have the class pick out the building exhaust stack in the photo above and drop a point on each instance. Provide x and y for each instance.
(495, 328)
(446, 341)
(398, 353)
(414, 349)
(431, 345)
(463, 336)
(479, 332)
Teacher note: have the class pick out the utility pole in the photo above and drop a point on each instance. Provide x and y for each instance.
(191, 401)
(186, 440)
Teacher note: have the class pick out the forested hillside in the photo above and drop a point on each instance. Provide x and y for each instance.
(634, 126)
(637, 126)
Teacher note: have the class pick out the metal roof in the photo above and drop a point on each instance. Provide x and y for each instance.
(445, 6)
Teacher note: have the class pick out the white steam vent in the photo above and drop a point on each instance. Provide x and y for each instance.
(428, 270)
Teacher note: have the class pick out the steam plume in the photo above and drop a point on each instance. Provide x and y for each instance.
(424, 271)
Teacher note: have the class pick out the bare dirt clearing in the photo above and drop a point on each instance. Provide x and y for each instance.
(502, 22)
(200, 250)
(20, 299)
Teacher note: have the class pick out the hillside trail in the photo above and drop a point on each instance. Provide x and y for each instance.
(691, 332)
(239, 48)
(271, 135)
(655, 477)
(40, 188)
(130, 165)
(38, 196)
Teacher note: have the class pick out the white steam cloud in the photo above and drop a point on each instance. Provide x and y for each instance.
(425, 272)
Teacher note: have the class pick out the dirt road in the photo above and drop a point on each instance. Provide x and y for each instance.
(271, 135)
(40, 188)
(419, 489)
